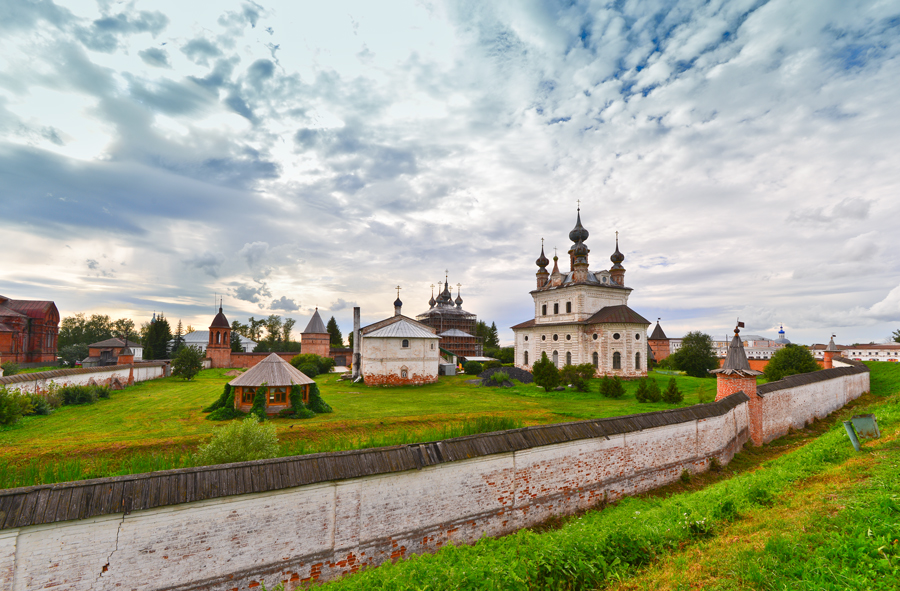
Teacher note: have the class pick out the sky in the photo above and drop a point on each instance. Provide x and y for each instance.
(293, 155)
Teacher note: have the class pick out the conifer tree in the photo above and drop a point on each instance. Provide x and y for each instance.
(337, 339)
(546, 375)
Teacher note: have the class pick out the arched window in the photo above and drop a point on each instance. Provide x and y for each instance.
(596, 359)
(637, 361)
(617, 360)
(526, 357)
(568, 358)
(404, 373)
(556, 359)
(544, 310)
(556, 308)
(404, 344)
(218, 336)
(568, 307)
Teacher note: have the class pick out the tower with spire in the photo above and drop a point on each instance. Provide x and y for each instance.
(315, 337)
(582, 316)
(218, 349)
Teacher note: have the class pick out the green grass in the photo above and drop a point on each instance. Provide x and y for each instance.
(158, 424)
(828, 518)
(35, 369)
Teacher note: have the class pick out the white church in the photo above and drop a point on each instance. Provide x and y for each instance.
(582, 316)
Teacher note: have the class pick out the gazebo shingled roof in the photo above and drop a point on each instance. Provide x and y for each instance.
(273, 371)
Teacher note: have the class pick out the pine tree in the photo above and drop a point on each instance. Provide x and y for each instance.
(178, 343)
(672, 395)
(493, 340)
(337, 339)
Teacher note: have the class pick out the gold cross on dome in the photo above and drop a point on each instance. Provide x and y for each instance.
(579, 204)
(398, 291)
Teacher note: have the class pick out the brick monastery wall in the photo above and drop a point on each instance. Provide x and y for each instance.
(183, 529)
(39, 382)
(796, 400)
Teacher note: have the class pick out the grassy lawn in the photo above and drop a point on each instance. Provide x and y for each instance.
(164, 416)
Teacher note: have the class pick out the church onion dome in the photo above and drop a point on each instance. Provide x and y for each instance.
(617, 257)
(578, 233)
(581, 250)
(459, 301)
(397, 302)
(431, 302)
(542, 260)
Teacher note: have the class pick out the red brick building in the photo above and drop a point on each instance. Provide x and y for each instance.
(28, 331)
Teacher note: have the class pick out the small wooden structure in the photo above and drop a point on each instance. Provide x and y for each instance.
(275, 375)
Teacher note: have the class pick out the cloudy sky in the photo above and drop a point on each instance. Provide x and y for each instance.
(289, 154)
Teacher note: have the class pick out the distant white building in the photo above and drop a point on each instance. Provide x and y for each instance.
(200, 338)
(399, 351)
(868, 352)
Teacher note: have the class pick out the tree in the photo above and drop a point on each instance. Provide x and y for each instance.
(611, 387)
(236, 346)
(255, 330)
(577, 376)
(896, 336)
(350, 339)
(156, 337)
(72, 354)
(672, 395)
(188, 362)
(337, 339)
(648, 391)
(240, 442)
(273, 326)
(286, 331)
(178, 342)
(123, 328)
(546, 375)
(790, 360)
(696, 355)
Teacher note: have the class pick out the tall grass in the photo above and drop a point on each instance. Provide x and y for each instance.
(71, 469)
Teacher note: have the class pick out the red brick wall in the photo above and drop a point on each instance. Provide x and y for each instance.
(248, 360)
(396, 380)
(220, 356)
(728, 385)
(660, 348)
(755, 364)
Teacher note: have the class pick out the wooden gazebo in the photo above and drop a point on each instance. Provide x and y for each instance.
(277, 376)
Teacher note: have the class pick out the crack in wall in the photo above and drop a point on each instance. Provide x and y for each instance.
(109, 558)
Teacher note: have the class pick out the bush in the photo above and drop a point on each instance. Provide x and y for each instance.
(473, 368)
(225, 400)
(39, 405)
(74, 395)
(546, 375)
(13, 405)
(789, 361)
(10, 368)
(316, 404)
(188, 362)
(611, 387)
(224, 413)
(492, 364)
(73, 354)
(240, 442)
(102, 391)
(259, 402)
(499, 377)
(310, 370)
(648, 391)
(321, 364)
(672, 395)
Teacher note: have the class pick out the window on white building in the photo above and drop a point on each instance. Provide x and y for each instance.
(617, 360)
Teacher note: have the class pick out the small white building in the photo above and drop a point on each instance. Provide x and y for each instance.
(399, 351)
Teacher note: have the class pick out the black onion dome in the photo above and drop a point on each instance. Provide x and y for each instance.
(542, 260)
(397, 302)
(431, 302)
(617, 257)
(578, 233)
(459, 300)
(581, 250)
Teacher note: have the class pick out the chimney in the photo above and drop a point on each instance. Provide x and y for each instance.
(357, 346)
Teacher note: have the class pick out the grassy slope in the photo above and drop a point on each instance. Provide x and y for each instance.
(166, 414)
(819, 517)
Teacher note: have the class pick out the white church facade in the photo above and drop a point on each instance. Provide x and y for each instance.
(582, 316)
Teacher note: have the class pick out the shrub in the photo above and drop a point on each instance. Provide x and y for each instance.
(39, 405)
(499, 377)
(225, 400)
(310, 370)
(569, 375)
(473, 368)
(74, 395)
(188, 362)
(224, 413)
(240, 442)
(611, 387)
(546, 375)
(715, 465)
(10, 368)
(322, 364)
(642, 394)
(791, 360)
(672, 395)
(13, 405)
(102, 391)
(492, 364)
(316, 404)
(259, 402)
(685, 477)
